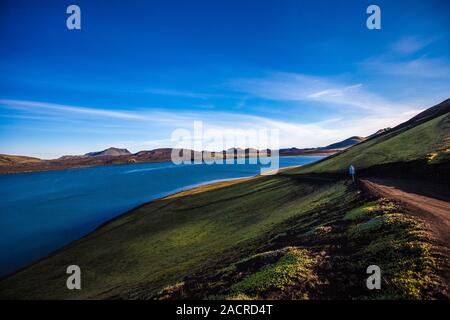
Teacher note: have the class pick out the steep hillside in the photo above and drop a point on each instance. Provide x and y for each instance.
(327, 150)
(345, 143)
(430, 113)
(423, 140)
(266, 237)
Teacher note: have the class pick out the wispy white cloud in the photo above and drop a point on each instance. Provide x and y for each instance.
(334, 92)
(411, 44)
(71, 113)
(35, 106)
(180, 93)
(409, 57)
(307, 88)
(423, 67)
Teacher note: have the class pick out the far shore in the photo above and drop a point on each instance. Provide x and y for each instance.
(55, 165)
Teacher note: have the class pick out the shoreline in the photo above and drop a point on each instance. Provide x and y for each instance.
(16, 169)
(103, 224)
(218, 183)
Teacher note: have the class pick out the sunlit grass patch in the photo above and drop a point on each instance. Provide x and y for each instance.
(438, 156)
(401, 249)
(240, 296)
(369, 226)
(294, 264)
(362, 211)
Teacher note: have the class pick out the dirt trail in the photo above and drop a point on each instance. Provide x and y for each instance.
(428, 202)
(419, 200)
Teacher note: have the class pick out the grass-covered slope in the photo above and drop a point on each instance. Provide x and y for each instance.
(428, 140)
(165, 240)
(323, 254)
(267, 237)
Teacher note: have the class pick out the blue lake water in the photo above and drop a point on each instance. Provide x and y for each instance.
(43, 211)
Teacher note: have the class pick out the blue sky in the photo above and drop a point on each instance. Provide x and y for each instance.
(137, 70)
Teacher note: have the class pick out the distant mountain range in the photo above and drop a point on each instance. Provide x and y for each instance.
(332, 148)
(14, 164)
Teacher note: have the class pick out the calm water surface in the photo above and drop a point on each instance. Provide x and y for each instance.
(43, 211)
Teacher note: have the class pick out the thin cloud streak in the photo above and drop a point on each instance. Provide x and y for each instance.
(180, 93)
(423, 67)
(306, 88)
(411, 44)
(34, 106)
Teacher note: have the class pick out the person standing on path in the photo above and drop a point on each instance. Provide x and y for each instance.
(351, 170)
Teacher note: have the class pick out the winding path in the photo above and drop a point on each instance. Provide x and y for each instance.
(420, 200)
(429, 202)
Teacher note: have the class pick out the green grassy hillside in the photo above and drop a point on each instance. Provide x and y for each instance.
(277, 229)
(323, 253)
(167, 239)
(429, 140)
